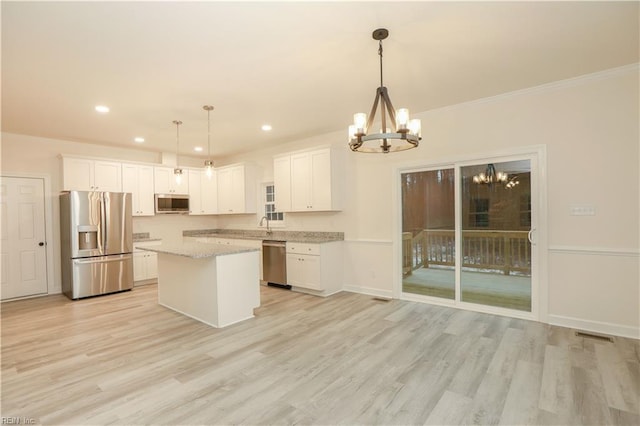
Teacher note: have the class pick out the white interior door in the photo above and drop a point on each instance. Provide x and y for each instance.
(22, 233)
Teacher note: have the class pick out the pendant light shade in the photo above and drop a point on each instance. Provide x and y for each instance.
(177, 172)
(208, 163)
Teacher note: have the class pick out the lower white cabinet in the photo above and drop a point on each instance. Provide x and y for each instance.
(303, 270)
(315, 267)
(230, 241)
(145, 264)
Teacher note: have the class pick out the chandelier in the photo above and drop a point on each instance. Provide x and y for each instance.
(490, 176)
(513, 181)
(398, 135)
(177, 172)
(208, 163)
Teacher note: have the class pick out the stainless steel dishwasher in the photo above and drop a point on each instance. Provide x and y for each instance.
(274, 263)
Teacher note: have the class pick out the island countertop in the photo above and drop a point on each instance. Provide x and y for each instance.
(197, 250)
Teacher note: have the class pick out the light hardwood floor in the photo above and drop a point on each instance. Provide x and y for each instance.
(346, 359)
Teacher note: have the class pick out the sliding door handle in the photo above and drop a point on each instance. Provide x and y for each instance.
(530, 235)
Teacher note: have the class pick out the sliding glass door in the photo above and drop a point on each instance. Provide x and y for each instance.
(466, 233)
(496, 220)
(428, 237)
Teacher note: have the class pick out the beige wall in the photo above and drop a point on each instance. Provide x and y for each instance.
(589, 126)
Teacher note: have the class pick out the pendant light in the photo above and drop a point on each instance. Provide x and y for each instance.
(208, 163)
(177, 172)
(400, 135)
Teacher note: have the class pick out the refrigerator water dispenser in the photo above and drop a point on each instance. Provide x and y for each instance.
(87, 237)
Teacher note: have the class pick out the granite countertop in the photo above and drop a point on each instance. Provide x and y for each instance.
(261, 235)
(198, 250)
(144, 240)
(142, 237)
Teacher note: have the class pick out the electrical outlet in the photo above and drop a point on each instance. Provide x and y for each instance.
(582, 210)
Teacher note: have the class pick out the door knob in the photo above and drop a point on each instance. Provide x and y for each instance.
(40, 243)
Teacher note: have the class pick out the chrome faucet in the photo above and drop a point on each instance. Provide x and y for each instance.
(262, 221)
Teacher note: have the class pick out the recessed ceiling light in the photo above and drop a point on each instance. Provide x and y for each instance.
(266, 127)
(138, 140)
(198, 149)
(102, 109)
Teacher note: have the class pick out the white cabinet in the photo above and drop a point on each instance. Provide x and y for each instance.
(165, 181)
(231, 241)
(304, 271)
(203, 193)
(282, 183)
(315, 267)
(145, 264)
(236, 189)
(313, 183)
(84, 174)
(138, 179)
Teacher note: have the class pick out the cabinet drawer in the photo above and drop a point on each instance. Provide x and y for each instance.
(303, 248)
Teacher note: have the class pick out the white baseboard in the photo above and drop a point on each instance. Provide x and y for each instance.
(595, 326)
(387, 294)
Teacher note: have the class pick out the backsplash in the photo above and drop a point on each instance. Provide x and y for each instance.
(257, 234)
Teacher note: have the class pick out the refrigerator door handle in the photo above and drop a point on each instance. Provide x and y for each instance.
(88, 261)
(103, 222)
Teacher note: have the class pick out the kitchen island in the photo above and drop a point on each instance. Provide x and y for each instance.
(217, 285)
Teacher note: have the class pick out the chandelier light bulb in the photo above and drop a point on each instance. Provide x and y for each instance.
(415, 127)
(360, 122)
(402, 119)
(352, 131)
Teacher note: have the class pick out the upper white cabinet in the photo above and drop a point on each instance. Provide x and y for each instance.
(313, 183)
(203, 193)
(165, 181)
(236, 189)
(138, 179)
(83, 174)
(282, 182)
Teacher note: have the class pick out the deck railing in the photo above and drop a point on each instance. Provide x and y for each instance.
(506, 251)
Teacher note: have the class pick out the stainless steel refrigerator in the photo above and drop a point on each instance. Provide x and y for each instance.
(96, 243)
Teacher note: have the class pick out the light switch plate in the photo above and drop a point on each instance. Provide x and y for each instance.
(582, 210)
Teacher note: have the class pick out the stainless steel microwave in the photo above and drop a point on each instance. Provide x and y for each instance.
(172, 203)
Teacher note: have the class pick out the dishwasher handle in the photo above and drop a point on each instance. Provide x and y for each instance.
(274, 244)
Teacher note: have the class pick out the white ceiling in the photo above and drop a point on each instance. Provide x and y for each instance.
(303, 67)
